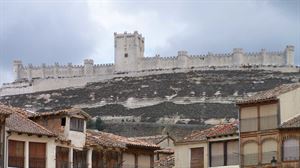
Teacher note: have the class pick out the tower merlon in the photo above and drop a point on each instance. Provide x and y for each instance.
(182, 53)
(238, 50)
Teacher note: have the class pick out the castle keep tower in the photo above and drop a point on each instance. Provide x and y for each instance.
(129, 51)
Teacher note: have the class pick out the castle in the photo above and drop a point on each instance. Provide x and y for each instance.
(129, 59)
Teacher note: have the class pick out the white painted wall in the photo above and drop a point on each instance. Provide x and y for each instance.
(144, 161)
(128, 160)
(289, 105)
(77, 138)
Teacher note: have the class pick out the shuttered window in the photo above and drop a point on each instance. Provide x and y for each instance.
(268, 117)
(79, 159)
(62, 157)
(37, 155)
(77, 124)
(233, 153)
(15, 154)
(250, 153)
(217, 154)
(249, 119)
(291, 149)
(97, 159)
(269, 150)
(224, 153)
(197, 157)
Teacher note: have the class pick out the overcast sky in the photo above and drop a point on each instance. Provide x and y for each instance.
(44, 31)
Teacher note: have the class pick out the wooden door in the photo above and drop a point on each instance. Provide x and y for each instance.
(197, 157)
(62, 157)
(37, 155)
(15, 154)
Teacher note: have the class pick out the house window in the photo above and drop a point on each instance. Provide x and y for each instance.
(15, 154)
(79, 159)
(291, 149)
(217, 154)
(197, 157)
(62, 157)
(224, 153)
(37, 155)
(97, 159)
(249, 119)
(63, 121)
(77, 124)
(268, 117)
(269, 150)
(126, 55)
(250, 155)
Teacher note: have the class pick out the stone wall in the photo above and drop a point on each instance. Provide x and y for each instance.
(182, 60)
(130, 61)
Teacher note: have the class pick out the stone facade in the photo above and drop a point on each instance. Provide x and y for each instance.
(129, 57)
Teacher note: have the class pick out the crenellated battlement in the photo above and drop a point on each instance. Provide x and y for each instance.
(129, 57)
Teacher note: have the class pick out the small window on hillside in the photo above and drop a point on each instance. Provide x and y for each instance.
(126, 55)
(63, 121)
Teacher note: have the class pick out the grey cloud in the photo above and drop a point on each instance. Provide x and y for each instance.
(64, 32)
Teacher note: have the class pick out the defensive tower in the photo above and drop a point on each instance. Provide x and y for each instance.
(129, 51)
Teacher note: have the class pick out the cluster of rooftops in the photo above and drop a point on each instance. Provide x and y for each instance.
(20, 121)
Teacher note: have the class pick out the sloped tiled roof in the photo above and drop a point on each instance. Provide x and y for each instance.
(18, 122)
(271, 94)
(215, 131)
(69, 112)
(156, 139)
(95, 138)
(292, 123)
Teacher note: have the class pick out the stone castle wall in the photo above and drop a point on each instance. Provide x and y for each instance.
(182, 60)
(130, 61)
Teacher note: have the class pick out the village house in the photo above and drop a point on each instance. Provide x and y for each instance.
(270, 128)
(93, 149)
(70, 127)
(27, 143)
(60, 139)
(213, 147)
(117, 151)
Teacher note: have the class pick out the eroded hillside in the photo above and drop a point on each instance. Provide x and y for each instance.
(175, 100)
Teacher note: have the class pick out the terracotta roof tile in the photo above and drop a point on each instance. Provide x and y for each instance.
(18, 122)
(215, 131)
(156, 139)
(271, 94)
(292, 123)
(111, 140)
(69, 112)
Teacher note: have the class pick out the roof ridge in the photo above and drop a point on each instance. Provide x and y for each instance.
(290, 119)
